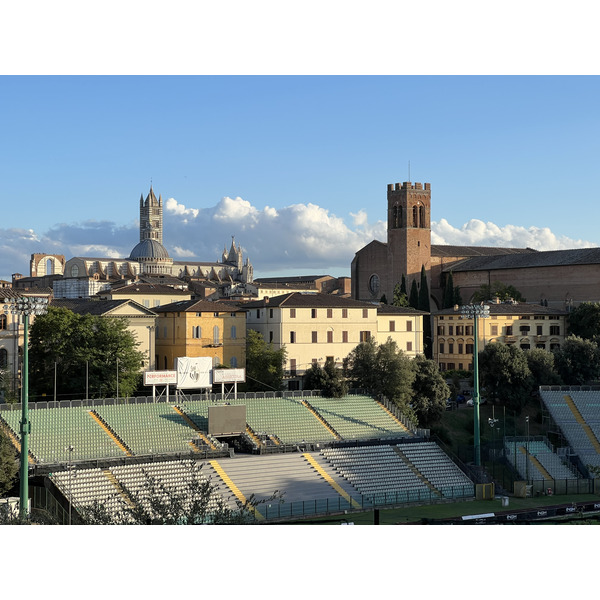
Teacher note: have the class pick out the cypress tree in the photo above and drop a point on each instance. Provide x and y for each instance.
(425, 306)
(413, 299)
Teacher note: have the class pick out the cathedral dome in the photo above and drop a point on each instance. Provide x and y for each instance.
(149, 250)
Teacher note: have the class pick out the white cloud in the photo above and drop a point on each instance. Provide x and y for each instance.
(298, 238)
(478, 233)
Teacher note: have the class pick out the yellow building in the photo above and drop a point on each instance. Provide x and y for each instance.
(314, 327)
(526, 325)
(197, 328)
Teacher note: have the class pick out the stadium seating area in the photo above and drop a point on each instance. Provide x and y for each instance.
(576, 412)
(535, 460)
(311, 470)
(309, 483)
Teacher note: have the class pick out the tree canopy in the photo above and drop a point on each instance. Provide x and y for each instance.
(101, 350)
(383, 370)
(429, 391)
(498, 289)
(9, 465)
(578, 361)
(264, 364)
(584, 321)
(505, 375)
(328, 379)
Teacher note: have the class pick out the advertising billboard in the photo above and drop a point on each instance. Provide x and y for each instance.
(229, 375)
(160, 377)
(193, 373)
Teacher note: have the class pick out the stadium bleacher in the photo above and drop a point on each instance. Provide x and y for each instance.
(321, 477)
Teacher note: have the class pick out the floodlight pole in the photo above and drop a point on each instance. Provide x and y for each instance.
(25, 306)
(475, 311)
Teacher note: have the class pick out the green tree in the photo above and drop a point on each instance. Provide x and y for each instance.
(400, 297)
(578, 361)
(98, 349)
(448, 300)
(429, 391)
(413, 299)
(264, 364)
(505, 375)
(584, 321)
(335, 384)
(383, 370)
(542, 367)
(314, 378)
(487, 292)
(9, 465)
(425, 306)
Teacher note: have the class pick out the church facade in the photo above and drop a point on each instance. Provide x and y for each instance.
(559, 278)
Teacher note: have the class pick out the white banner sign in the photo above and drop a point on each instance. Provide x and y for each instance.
(229, 375)
(193, 373)
(160, 377)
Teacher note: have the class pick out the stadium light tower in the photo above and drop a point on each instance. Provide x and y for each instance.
(476, 312)
(25, 306)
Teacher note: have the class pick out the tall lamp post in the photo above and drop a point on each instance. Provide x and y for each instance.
(25, 306)
(476, 312)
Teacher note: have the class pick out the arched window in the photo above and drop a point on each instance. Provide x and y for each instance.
(233, 362)
(415, 216)
(233, 332)
(396, 217)
(49, 267)
(422, 223)
(216, 334)
(3, 358)
(74, 271)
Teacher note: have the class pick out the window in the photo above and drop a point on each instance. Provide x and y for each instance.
(315, 361)
(450, 329)
(2, 321)
(233, 362)
(314, 337)
(292, 313)
(539, 329)
(441, 347)
(330, 337)
(270, 337)
(216, 314)
(409, 346)
(415, 217)
(365, 313)
(258, 313)
(270, 313)
(468, 329)
(451, 366)
(392, 325)
(469, 348)
(216, 334)
(292, 367)
(509, 330)
(460, 330)
(460, 348)
(233, 332)
(554, 329)
(313, 313)
(292, 337)
(374, 285)
(408, 325)
(345, 337)
(3, 357)
(344, 313)
(441, 330)
(329, 313)
(365, 336)
(450, 348)
(494, 329)
(197, 332)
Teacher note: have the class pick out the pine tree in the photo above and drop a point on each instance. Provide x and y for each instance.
(448, 301)
(425, 306)
(413, 299)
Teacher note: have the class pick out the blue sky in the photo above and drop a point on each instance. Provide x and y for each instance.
(294, 166)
